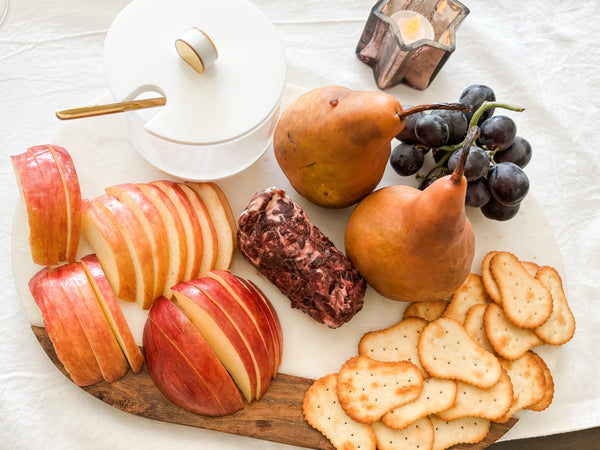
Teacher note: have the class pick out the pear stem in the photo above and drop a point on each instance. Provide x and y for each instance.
(459, 171)
(431, 106)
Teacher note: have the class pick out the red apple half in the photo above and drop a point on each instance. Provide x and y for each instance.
(183, 366)
(112, 311)
(49, 186)
(64, 329)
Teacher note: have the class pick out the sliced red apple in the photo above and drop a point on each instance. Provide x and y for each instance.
(70, 181)
(78, 291)
(64, 329)
(222, 218)
(154, 228)
(256, 310)
(221, 334)
(176, 236)
(110, 247)
(113, 312)
(138, 244)
(209, 234)
(245, 323)
(183, 366)
(190, 225)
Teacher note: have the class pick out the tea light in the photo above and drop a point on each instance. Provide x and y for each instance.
(413, 26)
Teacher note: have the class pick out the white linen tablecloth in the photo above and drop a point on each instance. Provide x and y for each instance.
(539, 54)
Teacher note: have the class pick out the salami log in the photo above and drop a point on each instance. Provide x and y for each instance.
(278, 239)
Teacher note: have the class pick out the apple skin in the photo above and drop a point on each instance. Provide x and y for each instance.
(64, 329)
(223, 219)
(78, 291)
(147, 213)
(113, 312)
(70, 181)
(183, 366)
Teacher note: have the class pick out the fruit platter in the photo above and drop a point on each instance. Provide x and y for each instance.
(380, 276)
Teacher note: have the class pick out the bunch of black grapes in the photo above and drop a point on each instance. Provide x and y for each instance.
(497, 182)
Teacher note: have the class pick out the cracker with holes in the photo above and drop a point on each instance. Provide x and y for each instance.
(526, 301)
(367, 388)
(474, 326)
(446, 351)
(428, 310)
(528, 380)
(470, 293)
(417, 436)
(396, 343)
(468, 430)
(322, 411)
(488, 280)
(560, 326)
(546, 399)
(508, 340)
(491, 403)
(437, 395)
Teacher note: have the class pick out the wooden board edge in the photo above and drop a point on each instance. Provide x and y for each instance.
(276, 417)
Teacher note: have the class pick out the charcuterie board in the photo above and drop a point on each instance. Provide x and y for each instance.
(103, 156)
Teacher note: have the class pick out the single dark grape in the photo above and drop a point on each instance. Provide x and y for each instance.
(457, 124)
(478, 193)
(508, 183)
(432, 130)
(519, 153)
(476, 166)
(406, 159)
(495, 210)
(407, 134)
(425, 183)
(497, 133)
(475, 95)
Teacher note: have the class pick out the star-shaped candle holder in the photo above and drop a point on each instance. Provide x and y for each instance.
(408, 41)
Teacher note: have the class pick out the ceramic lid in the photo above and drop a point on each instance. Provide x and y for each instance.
(229, 98)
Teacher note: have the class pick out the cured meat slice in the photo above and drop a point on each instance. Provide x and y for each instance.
(277, 238)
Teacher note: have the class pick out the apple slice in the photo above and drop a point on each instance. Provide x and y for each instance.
(247, 327)
(154, 228)
(222, 218)
(257, 311)
(113, 312)
(190, 225)
(64, 329)
(78, 291)
(221, 335)
(176, 236)
(209, 234)
(183, 366)
(70, 181)
(138, 244)
(110, 246)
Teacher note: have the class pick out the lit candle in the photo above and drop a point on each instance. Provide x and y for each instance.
(413, 26)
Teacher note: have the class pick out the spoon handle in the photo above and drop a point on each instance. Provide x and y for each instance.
(111, 108)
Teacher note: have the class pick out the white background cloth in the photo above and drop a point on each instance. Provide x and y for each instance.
(540, 54)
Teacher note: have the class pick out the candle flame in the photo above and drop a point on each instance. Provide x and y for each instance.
(446, 37)
(442, 6)
(413, 25)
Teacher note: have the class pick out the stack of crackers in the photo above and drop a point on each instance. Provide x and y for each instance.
(448, 369)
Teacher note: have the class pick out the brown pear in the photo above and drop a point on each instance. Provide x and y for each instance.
(333, 143)
(413, 245)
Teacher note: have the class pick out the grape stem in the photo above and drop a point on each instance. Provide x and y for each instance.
(459, 171)
(428, 107)
(450, 149)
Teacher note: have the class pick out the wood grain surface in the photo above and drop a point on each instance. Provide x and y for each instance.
(276, 417)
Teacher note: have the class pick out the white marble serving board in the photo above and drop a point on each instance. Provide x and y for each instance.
(103, 156)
